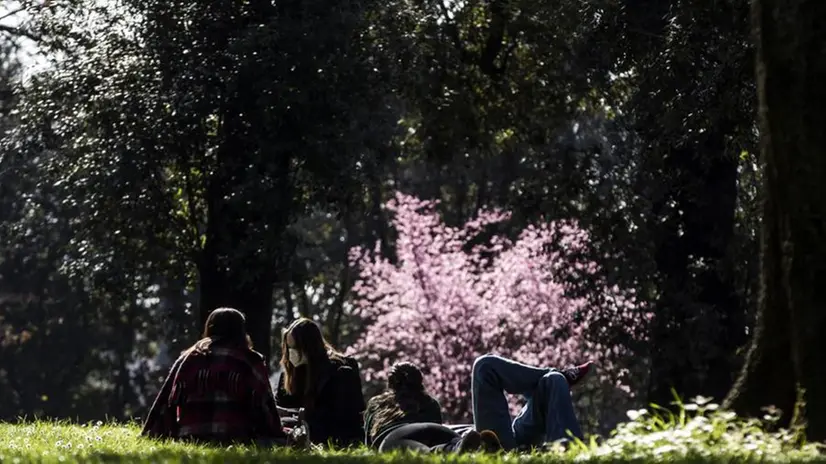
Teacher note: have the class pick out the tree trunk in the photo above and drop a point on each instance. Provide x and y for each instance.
(249, 202)
(253, 297)
(122, 395)
(237, 265)
(767, 378)
(346, 276)
(238, 262)
(791, 333)
(378, 222)
(286, 288)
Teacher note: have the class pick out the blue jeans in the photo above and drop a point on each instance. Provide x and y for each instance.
(547, 415)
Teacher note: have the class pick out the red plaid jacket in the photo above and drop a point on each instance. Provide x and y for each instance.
(222, 394)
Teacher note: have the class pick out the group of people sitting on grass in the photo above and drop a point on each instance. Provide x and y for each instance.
(218, 391)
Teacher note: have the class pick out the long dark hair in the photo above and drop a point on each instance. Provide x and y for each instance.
(224, 326)
(308, 339)
(405, 395)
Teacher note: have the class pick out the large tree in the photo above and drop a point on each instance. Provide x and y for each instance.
(192, 135)
(784, 365)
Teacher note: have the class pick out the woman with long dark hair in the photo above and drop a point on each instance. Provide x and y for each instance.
(218, 390)
(323, 382)
(407, 417)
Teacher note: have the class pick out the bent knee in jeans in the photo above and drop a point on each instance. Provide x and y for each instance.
(485, 365)
(554, 379)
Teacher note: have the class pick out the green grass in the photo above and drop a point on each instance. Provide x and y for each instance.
(697, 434)
(62, 442)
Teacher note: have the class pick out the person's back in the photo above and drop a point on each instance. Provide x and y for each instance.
(405, 402)
(220, 395)
(407, 417)
(378, 425)
(218, 390)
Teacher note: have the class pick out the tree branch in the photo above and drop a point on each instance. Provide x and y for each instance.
(494, 43)
(453, 33)
(506, 57)
(19, 32)
(12, 13)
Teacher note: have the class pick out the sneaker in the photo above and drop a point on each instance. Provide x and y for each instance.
(490, 441)
(575, 374)
(471, 442)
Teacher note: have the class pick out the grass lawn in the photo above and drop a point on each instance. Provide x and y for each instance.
(63, 442)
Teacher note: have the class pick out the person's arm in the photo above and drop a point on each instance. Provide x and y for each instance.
(434, 411)
(266, 421)
(284, 400)
(161, 420)
(361, 403)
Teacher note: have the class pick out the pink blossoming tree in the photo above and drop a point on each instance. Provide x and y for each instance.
(441, 305)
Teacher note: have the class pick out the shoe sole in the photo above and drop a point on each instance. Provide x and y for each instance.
(470, 442)
(490, 442)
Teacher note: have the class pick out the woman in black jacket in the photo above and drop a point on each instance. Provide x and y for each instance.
(407, 417)
(323, 382)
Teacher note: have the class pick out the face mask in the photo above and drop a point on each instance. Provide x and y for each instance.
(296, 359)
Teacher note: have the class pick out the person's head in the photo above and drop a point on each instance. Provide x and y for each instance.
(224, 326)
(405, 394)
(405, 377)
(303, 347)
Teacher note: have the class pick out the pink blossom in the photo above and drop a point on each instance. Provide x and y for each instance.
(441, 307)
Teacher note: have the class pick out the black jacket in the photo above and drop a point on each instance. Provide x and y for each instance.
(336, 414)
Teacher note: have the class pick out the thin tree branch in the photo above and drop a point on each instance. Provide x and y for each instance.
(495, 41)
(19, 32)
(453, 32)
(12, 13)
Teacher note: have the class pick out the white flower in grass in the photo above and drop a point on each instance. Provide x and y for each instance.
(635, 414)
(701, 400)
(665, 449)
(682, 433)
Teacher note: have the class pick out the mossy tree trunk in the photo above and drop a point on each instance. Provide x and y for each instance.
(785, 357)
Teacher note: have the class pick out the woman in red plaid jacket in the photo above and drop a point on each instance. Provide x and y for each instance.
(218, 390)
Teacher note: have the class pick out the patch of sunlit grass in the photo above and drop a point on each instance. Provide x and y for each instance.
(700, 431)
(696, 433)
(64, 442)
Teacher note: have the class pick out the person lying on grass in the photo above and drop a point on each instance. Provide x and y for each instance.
(218, 390)
(324, 383)
(548, 414)
(407, 417)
